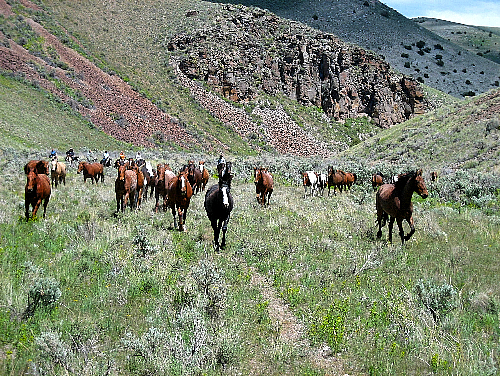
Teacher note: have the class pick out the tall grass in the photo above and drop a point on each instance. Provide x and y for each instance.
(138, 297)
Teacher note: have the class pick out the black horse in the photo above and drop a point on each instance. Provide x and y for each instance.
(219, 203)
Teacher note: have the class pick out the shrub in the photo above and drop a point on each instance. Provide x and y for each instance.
(407, 64)
(420, 44)
(438, 299)
(55, 350)
(44, 293)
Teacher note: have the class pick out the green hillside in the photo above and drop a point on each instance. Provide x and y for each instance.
(31, 120)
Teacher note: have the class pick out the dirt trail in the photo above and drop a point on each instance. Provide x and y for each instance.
(292, 331)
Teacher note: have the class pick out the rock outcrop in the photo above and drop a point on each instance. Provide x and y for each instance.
(249, 51)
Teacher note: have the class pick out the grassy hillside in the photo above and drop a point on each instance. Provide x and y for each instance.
(483, 41)
(32, 121)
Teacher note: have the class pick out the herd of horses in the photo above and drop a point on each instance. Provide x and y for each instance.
(175, 190)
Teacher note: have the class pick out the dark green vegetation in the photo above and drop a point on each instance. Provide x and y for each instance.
(303, 288)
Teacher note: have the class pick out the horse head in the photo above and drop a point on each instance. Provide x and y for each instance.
(81, 166)
(121, 172)
(225, 176)
(31, 181)
(53, 164)
(183, 181)
(420, 187)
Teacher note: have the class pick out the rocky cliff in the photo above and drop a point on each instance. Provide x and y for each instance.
(248, 51)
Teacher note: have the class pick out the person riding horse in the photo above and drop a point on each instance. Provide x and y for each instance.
(106, 160)
(53, 155)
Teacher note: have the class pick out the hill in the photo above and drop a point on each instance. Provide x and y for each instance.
(483, 41)
(407, 46)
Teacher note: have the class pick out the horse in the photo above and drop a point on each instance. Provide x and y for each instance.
(179, 192)
(195, 177)
(348, 179)
(377, 180)
(125, 188)
(310, 179)
(70, 158)
(57, 172)
(264, 185)
(39, 166)
(94, 171)
(322, 182)
(218, 205)
(149, 176)
(140, 185)
(394, 200)
(204, 175)
(37, 189)
(434, 176)
(335, 180)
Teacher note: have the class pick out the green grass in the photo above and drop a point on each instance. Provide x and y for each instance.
(30, 120)
(137, 296)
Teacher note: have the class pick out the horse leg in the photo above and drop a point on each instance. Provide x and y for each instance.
(224, 230)
(45, 203)
(216, 228)
(269, 198)
(412, 229)
(35, 208)
(174, 215)
(391, 224)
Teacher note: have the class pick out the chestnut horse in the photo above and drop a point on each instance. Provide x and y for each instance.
(37, 189)
(264, 185)
(394, 200)
(94, 171)
(348, 179)
(335, 180)
(377, 180)
(57, 172)
(204, 175)
(125, 188)
(39, 166)
(179, 192)
(219, 203)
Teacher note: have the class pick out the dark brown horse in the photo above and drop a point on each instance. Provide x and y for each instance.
(377, 180)
(335, 180)
(218, 205)
(125, 188)
(195, 177)
(94, 171)
(204, 175)
(264, 185)
(179, 192)
(394, 200)
(37, 189)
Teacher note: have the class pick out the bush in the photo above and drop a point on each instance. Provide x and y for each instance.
(44, 293)
(438, 299)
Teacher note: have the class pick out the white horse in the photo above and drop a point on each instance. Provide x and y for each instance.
(310, 179)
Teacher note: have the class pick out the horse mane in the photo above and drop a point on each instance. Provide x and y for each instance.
(402, 180)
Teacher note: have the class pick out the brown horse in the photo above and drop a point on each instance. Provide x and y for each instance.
(125, 188)
(37, 189)
(264, 185)
(179, 192)
(94, 171)
(140, 185)
(348, 179)
(434, 176)
(57, 172)
(394, 200)
(204, 175)
(377, 180)
(335, 180)
(195, 177)
(39, 166)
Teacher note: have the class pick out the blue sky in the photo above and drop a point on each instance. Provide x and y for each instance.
(469, 12)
